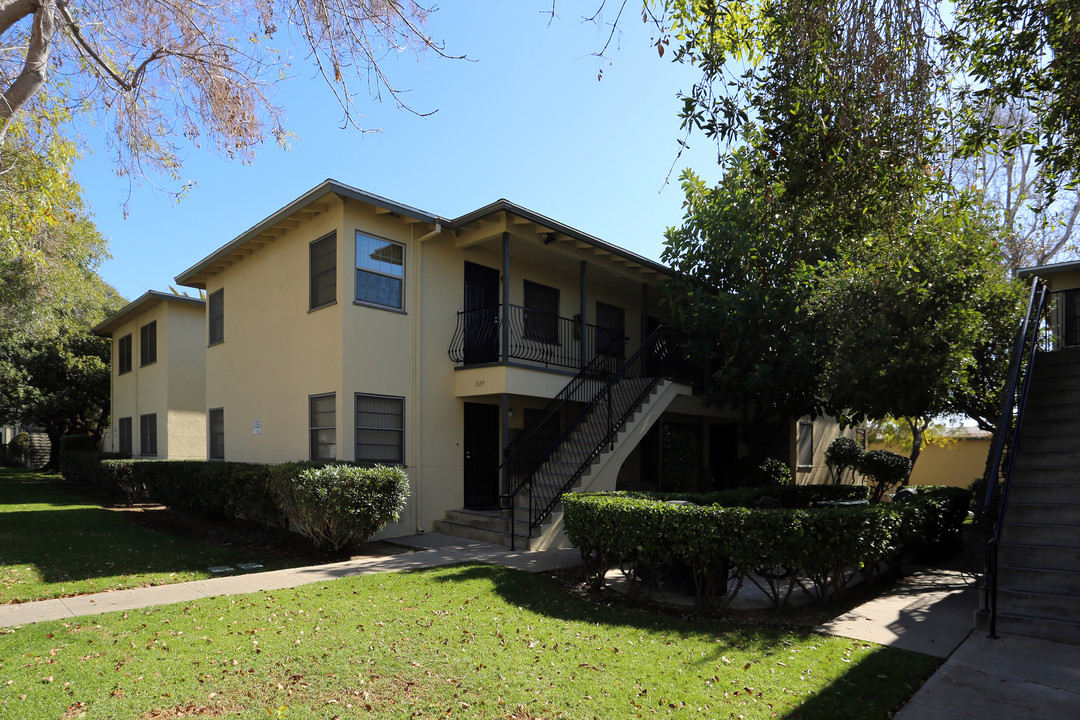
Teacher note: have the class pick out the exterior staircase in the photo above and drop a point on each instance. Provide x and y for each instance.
(1039, 557)
(495, 526)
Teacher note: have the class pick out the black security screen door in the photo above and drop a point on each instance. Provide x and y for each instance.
(481, 314)
(481, 456)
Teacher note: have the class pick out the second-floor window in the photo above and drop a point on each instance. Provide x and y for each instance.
(323, 269)
(380, 271)
(148, 343)
(541, 313)
(123, 355)
(216, 316)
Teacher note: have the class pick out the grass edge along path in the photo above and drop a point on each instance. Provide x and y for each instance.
(465, 641)
(56, 543)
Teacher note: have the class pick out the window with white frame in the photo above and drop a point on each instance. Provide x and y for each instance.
(380, 272)
(806, 445)
(380, 429)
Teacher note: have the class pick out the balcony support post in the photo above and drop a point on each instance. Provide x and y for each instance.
(584, 316)
(504, 325)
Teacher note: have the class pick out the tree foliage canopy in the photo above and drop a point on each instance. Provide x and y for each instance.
(155, 72)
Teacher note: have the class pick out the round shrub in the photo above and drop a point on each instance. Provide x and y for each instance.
(769, 471)
(843, 454)
(884, 469)
(338, 505)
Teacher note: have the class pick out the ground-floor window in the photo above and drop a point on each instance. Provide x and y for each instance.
(148, 434)
(322, 421)
(216, 421)
(380, 429)
(123, 431)
(806, 445)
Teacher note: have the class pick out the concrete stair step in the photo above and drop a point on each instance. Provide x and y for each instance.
(1041, 579)
(1033, 603)
(1056, 475)
(1044, 493)
(1046, 410)
(1066, 457)
(1057, 557)
(1065, 377)
(470, 532)
(1057, 513)
(1031, 626)
(1068, 428)
(1048, 436)
(1040, 533)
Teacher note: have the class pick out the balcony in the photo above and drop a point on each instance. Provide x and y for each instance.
(532, 338)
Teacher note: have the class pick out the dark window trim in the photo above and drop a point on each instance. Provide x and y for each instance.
(357, 428)
(147, 449)
(400, 308)
(210, 433)
(148, 344)
(313, 429)
(124, 444)
(332, 235)
(210, 341)
(123, 359)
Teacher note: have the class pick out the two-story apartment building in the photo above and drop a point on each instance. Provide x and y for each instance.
(158, 378)
(346, 326)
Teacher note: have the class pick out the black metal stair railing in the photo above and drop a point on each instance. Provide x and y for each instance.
(598, 402)
(1004, 449)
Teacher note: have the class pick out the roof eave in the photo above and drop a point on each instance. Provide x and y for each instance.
(189, 277)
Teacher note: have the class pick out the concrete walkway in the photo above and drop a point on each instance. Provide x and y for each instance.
(423, 551)
(929, 612)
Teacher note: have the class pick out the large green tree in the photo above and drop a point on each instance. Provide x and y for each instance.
(918, 324)
(53, 372)
(745, 279)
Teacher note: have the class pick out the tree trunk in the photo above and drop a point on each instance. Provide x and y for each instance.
(36, 66)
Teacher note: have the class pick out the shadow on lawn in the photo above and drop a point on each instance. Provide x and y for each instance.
(878, 683)
(68, 540)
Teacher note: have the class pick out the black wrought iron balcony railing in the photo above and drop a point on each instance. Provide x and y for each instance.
(532, 336)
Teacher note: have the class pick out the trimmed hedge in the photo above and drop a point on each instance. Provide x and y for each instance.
(789, 496)
(818, 550)
(262, 494)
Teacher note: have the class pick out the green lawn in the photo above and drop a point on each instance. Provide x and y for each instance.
(469, 641)
(53, 543)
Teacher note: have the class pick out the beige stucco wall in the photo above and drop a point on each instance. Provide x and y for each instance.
(186, 366)
(276, 353)
(957, 465)
(825, 430)
(171, 388)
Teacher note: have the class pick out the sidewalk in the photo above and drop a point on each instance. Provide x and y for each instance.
(430, 550)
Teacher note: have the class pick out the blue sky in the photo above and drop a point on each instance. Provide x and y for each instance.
(524, 118)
